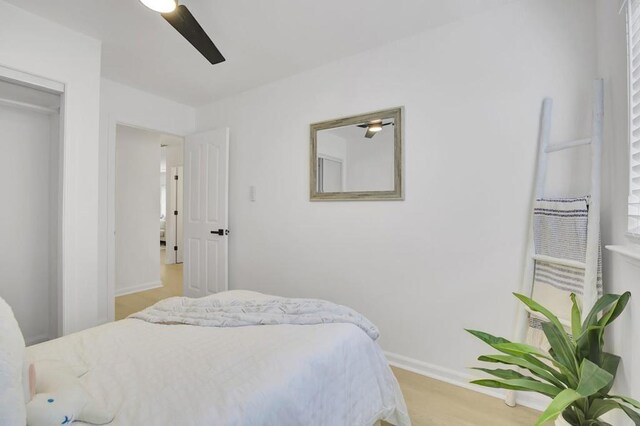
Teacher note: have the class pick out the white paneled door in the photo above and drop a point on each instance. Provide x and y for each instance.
(206, 194)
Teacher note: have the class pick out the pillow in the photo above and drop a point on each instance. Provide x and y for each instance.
(12, 369)
(62, 399)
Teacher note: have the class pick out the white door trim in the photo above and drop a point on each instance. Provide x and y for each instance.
(31, 80)
(112, 123)
(65, 244)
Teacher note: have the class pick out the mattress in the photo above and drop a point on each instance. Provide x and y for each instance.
(155, 374)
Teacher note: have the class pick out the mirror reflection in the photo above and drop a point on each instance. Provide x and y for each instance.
(356, 158)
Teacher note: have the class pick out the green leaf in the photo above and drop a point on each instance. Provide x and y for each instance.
(628, 400)
(592, 378)
(601, 304)
(527, 385)
(524, 363)
(558, 405)
(586, 330)
(560, 376)
(521, 349)
(596, 344)
(599, 407)
(576, 326)
(570, 416)
(505, 346)
(581, 415)
(487, 338)
(610, 363)
(616, 309)
(536, 307)
(633, 415)
(562, 351)
(502, 373)
(590, 343)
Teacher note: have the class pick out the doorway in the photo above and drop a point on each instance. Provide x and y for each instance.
(29, 258)
(148, 218)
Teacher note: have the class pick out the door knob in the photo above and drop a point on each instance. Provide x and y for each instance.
(221, 232)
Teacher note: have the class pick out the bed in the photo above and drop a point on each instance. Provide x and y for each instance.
(146, 373)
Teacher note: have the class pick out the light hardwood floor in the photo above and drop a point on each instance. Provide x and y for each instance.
(434, 403)
(171, 277)
(430, 402)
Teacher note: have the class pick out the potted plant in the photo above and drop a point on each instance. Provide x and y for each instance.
(576, 372)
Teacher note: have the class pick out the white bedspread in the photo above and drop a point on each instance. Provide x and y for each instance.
(285, 375)
(212, 311)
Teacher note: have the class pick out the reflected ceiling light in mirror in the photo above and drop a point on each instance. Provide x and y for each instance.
(162, 6)
(375, 126)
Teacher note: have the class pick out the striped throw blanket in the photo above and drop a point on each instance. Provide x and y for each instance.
(560, 231)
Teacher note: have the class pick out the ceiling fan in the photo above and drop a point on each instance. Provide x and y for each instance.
(183, 21)
(373, 127)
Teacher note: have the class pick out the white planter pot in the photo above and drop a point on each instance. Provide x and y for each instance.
(560, 421)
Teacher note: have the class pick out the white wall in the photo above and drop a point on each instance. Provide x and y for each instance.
(28, 279)
(126, 105)
(449, 256)
(137, 212)
(621, 274)
(34, 45)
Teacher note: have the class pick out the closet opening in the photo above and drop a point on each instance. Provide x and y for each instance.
(30, 256)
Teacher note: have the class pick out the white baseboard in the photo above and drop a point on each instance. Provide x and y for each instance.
(137, 288)
(453, 377)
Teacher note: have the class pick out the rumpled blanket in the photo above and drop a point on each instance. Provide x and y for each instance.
(210, 311)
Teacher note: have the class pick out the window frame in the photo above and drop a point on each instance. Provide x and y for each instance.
(633, 201)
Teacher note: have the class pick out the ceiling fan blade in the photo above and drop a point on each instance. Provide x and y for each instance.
(364, 126)
(369, 134)
(183, 21)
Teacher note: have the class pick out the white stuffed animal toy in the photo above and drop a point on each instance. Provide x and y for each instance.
(60, 398)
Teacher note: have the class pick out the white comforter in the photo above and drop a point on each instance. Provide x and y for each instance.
(152, 374)
(214, 311)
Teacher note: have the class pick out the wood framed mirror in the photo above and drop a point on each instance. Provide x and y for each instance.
(357, 158)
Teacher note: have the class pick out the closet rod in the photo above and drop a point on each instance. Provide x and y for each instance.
(31, 107)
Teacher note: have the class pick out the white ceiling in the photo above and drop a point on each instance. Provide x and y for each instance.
(262, 40)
